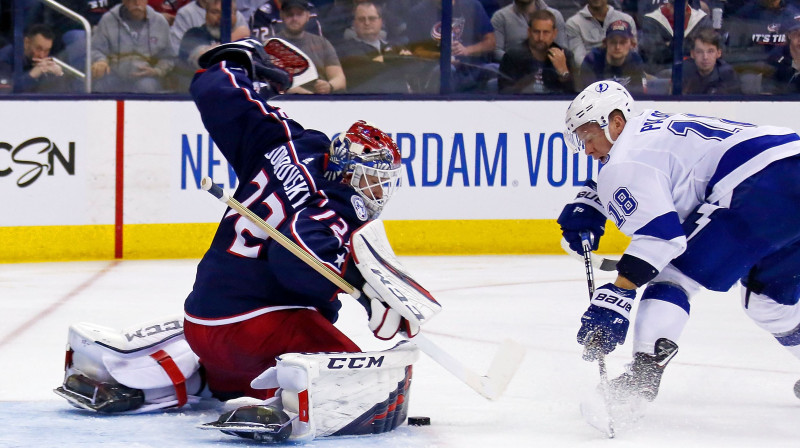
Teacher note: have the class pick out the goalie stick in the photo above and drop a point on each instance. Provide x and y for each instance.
(503, 366)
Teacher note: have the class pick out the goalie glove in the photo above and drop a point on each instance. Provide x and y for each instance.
(250, 55)
(384, 322)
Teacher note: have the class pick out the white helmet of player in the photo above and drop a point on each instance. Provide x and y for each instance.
(367, 159)
(595, 104)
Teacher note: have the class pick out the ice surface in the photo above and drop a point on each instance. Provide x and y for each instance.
(730, 385)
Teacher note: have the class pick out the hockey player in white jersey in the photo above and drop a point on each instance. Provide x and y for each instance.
(707, 202)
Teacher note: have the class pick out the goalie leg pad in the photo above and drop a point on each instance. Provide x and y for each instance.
(138, 369)
(343, 393)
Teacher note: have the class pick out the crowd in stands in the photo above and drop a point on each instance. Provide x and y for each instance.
(394, 46)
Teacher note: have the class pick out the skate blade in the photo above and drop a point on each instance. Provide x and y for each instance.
(614, 417)
(245, 427)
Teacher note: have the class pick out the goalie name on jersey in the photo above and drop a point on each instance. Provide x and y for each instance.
(294, 183)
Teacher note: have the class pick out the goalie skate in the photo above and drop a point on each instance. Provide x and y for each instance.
(92, 395)
(258, 422)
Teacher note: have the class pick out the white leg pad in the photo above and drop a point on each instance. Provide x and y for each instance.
(153, 357)
(342, 393)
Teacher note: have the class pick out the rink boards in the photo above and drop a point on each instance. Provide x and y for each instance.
(120, 179)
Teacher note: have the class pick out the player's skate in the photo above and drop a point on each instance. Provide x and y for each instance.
(623, 404)
(643, 376)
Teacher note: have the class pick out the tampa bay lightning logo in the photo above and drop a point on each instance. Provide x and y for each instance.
(602, 87)
(360, 207)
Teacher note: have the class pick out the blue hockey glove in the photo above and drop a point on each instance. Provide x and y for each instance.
(605, 324)
(585, 214)
(250, 55)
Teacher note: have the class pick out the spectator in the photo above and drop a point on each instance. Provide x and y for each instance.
(200, 39)
(657, 34)
(616, 60)
(786, 61)
(567, 8)
(370, 64)
(336, 18)
(510, 25)
(40, 72)
(295, 15)
(167, 8)
(130, 49)
(586, 29)
(638, 9)
(491, 6)
(706, 72)
(72, 45)
(755, 31)
(537, 65)
(264, 20)
(248, 8)
(473, 43)
(194, 14)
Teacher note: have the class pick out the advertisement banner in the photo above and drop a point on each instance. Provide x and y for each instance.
(57, 163)
(456, 166)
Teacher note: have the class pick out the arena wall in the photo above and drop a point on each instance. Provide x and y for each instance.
(109, 179)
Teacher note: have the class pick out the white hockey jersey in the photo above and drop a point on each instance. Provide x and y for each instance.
(664, 165)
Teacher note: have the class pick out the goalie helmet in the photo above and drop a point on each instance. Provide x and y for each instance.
(367, 159)
(595, 104)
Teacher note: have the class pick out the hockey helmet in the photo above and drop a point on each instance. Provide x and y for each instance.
(595, 104)
(367, 159)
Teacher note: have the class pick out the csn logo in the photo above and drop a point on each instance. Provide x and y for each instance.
(32, 158)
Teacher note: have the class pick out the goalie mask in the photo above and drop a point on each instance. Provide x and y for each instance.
(368, 160)
(595, 104)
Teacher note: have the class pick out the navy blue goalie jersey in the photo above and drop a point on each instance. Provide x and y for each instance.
(280, 166)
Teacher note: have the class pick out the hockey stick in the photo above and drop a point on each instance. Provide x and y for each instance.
(586, 245)
(503, 367)
(600, 262)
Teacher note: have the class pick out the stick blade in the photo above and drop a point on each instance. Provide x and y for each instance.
(504, 366)
(612, 417)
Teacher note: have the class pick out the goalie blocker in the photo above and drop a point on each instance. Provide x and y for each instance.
(397, 301)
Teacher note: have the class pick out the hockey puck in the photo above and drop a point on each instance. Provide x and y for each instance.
(419, 421)
(796, 392)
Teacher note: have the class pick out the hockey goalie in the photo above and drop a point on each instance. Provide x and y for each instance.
(259, 321)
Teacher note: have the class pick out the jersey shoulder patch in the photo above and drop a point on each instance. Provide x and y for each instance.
(359, 207)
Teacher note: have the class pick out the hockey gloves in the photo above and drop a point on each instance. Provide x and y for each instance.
(250, 55)
(605, 324)
(384, 322)
(585, 214)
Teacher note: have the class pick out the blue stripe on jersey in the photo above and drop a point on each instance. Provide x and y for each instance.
(741, 153)
(665, 227)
